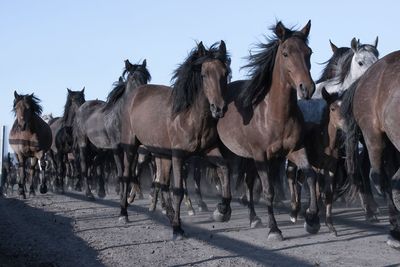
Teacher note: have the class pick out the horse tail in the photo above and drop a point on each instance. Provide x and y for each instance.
(352, 185)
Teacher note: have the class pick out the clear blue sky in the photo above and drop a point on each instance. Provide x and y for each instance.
(48, 46)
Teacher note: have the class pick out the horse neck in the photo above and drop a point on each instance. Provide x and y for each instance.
(353, 75)
(200, 109)
(281, 97)
(69, 117)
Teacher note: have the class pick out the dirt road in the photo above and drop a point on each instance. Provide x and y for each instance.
(67, 230)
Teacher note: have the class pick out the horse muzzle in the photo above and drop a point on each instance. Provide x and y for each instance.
(217, 112)
(306, 92)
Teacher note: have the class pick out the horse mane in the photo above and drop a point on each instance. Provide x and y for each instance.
(187, 80)
(69, 114)
(33, 102)
(138, 72)
(261, 65)
(344, 71)
(331, 64)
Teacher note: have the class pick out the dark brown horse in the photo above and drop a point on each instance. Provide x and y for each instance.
(322, 146)
(97, 124)
(30, 137)
(372, 105)
(263, 121)
(179, 122)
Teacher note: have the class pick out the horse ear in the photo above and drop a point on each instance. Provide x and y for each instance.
(280, 30)
(16, 95)
(128, 65)
(376, 42)
(144, 64)
(306, 29)
(83, 90)
(120, 80)
(69, 91)
(354, 44)
(201, 49)
(222, 48)
(325, 95)
(333, 46)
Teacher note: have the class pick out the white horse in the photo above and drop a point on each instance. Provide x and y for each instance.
(344, 67)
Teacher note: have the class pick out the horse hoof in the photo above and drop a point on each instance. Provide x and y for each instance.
(293, 219)
(178, 233)
(333, 233)
(101, 194)
(372, 219)
(164, 211)
(123, 219)
(275, 237)
(89, 195)
(255, 223)
(393, 242)
(312, 228)
(43, 189)
(203, 207)
(221, 217)
(191, 212)
(152, 207)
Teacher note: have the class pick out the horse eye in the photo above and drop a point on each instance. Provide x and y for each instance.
(285, 54)
(360, 63)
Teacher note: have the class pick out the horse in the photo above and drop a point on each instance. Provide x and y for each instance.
(97, 124)
(344, 67)
(371, 111)
(322, 145)
(263, 121)
(175, 123)
(30, 137)
(62, 144)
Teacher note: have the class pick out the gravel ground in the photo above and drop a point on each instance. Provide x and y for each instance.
(67, 230)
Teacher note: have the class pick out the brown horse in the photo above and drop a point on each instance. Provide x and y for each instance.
(178, 122)
(263, 121)
(322, 146)
(30, 137)
(372, 105)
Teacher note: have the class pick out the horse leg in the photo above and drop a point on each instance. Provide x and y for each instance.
(163, 178)
(84, 171)
(157, 184)
(22, 176)
(42, 167)
(263, 167)
(394, 211)
(101, 192)
(299, 157)
(130, 161)
(117, 153)
(251, 176)
(32, 169)
(295, 191)
(330, 185)
(178, 193)
(188, 201)
(202, 206)
(223, 211)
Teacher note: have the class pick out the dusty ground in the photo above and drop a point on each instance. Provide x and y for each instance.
(67, 230)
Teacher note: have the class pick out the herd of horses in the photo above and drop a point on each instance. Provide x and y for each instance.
(340, 136)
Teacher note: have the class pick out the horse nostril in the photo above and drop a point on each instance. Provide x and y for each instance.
(213, 107)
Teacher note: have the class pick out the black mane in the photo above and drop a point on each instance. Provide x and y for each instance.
(138, 73)
(187, 80)
(69, 110)
(331, 64)
(32, 101)
(261, 65)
